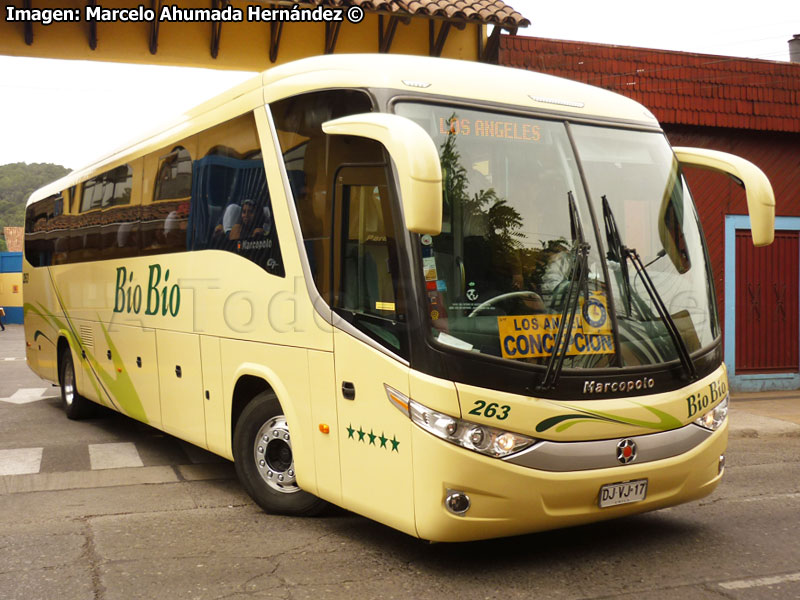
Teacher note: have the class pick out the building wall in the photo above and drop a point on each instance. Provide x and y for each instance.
(778, 155)
(243, 45)
(11, 286)
(742, 106)
(722, 208)
(14, 238)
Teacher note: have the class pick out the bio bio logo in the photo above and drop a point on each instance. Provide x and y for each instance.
(700, 401)
(161, 298)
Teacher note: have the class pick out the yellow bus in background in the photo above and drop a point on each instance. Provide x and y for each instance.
(462, 300)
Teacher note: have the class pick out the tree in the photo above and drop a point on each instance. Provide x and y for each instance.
(483, 213)
(17, 182)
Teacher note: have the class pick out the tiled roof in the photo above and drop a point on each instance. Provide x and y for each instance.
(482, 11)
(678, 87)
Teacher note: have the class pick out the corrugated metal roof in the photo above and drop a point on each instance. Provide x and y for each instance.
(678, 87)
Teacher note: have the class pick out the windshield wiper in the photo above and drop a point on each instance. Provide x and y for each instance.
(616, 247)
(580, 271)
(616, 253)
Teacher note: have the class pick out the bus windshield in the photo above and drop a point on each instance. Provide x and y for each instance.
(551, 233)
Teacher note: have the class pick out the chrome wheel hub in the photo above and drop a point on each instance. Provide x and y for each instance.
(273, 455)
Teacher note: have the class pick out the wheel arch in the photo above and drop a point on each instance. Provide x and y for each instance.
(66, 343)
(61, 348)
(253, 379)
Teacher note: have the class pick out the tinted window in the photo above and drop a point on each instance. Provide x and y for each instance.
(164, 221)
(311, 161)
(105, 210)
(39, 239)
(120, 229)
(231, 210)
(218, 202)
(174, 178)
(92, 196)
(366, 271)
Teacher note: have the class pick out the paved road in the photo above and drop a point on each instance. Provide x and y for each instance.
(112, 509)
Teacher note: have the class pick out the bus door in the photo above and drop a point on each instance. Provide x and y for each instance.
(374, 437)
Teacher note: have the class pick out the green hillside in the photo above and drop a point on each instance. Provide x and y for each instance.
(17, 181)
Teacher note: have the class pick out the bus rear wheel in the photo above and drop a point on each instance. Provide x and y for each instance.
(264, 461)
(75, 406)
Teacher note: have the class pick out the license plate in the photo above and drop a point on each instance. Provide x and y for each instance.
(626, 492)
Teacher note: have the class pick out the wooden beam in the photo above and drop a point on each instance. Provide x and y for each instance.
(154, 24)
(492, 49)
(436, 47)
(331, 35)
(275, 31)
(28, 25)
(386, 35)
(216, 27)
(92, 36)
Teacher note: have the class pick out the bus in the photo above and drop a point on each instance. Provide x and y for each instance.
(462, 300)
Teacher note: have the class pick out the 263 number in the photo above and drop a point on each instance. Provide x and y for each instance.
(491, 410)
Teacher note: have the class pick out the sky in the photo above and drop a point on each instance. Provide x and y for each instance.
(70, 112)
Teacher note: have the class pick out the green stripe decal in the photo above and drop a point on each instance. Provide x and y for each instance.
(117, 385)
(39, 333)
(665, 421)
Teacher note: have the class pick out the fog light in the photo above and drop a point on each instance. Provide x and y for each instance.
(721, 463)
(457, 502)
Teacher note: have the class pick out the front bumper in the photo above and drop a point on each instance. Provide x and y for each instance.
(508, 499)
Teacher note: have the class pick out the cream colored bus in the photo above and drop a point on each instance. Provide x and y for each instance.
(462, 300)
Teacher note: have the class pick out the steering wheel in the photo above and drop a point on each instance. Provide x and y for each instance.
(503, 297)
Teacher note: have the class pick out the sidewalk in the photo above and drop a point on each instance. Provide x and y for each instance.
(765, 414)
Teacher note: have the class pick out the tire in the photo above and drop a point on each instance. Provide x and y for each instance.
(262, 453)
(75, 406)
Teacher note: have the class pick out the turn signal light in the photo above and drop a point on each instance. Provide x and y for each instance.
(324, 428)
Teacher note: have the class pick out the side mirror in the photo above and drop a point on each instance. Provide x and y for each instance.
(760, 197)
(419, 171)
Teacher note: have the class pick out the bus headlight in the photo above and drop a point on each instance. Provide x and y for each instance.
(714, 418)
(490, 441)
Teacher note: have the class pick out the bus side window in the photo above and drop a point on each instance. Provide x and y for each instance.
(120, 218)
(39, 218)
(86, 243)
(164, 221)
(231, 208)
(232, 211)
(60, 229)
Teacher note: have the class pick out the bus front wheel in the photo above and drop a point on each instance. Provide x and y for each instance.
(75, 406)
(262, 452)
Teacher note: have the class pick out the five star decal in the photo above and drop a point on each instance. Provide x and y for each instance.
(373, 439)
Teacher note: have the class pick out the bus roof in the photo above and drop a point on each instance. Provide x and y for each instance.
(454, 78)
(411, 74)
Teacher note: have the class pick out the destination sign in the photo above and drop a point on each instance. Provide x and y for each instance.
(493, 128)
(534, 336)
